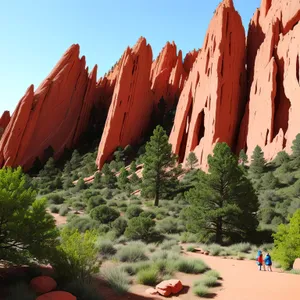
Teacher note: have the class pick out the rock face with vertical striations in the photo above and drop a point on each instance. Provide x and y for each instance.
(52, 118)
(4, 120)
(211, 103)
(271, 119)
(167, 76)
(131, 107)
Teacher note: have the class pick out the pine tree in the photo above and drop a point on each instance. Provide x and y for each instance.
(191, 161)
(223, 203)
(68, 183)
(133, 167)
(134, 179)
(243, 158)
(97, 184)
(75, 160)
(158, 160)
(296, 146)
(68, 168)
(123, 178)
(108, 179)
(257, 162)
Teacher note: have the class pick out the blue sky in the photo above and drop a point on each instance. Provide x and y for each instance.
(35, 33)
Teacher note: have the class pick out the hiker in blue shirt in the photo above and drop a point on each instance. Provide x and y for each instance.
(268, 262)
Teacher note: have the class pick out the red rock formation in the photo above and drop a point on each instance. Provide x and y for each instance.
(189, 60)
(4, 120)
(131, 107)
(271, 118)
(55, 115)
(211, 103)
(167, 75)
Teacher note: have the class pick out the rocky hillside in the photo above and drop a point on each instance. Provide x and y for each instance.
(236, 89)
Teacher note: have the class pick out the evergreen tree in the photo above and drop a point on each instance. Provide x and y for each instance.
(269, 181)
(281, 157)
(134, 179)
(67, 168)
(68, 183)
(80, 184)
(257, 162)
(191, 161)
(158, 160)
(223, 203)
(97, 184)
(243, 158)
(75, 160)
(108, 179)
(123, 178)
(296, 146)
(133, 167)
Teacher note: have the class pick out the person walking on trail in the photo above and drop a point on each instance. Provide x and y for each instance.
(260, 260)
(268, 262)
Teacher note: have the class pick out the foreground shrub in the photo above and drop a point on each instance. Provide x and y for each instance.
(167, 245)
(63, 211)
(148, 276)
(200, 290)
(83, 290)
(140, 228)
(117, 278)
(82, 223)
(134, 268)
(168, 225)
(191, 266)
(55, 198)
(54, 209)
(132, 252)
(209, 281)
(104, 214)
(148, 214)
(214, 249)
(287, 242)
(190, 249)
(77, 255)
(26, 229)
(241, 247)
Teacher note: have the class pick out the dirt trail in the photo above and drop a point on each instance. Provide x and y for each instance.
(241, 280)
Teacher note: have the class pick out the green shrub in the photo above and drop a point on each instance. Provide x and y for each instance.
(213, 273)
(77, 254)
(82, 223)
(106, 248)
(214, 249)
(148, 214)
(148, 276)
(78, 205)
(168, 225)
(191, 266)
(83, 290)
(296, 272)
(134, 268)
(132, 252)
(200, 290)
(95, 201)
(209, 281)
(20, 290)
(54, 209)
(104, 214)
(117, 278)
(119, 226)
(133, 211)
(287, 242)
(140, 228)
(63, 211)
(168, 244)
(241, 247)
(191, 249)
(55, 198)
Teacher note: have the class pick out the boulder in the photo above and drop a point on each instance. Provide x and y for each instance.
(57, 295)
(176, 286)
(296, 265)
(164, 288)
(151, 291)
(43, 284)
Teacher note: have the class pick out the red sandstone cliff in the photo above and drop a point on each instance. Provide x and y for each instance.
(211, 103)
(272, 116)
(167, 75)
(4, 120)
(55, 115)
(131, 107)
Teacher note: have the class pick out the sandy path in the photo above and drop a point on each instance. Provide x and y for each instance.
(243, 281)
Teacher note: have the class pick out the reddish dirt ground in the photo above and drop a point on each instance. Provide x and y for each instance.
(241, 280)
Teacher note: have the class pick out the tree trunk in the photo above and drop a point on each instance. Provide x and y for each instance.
(219, 231)
(156, 201)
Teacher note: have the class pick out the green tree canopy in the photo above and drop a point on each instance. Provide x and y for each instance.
(223, 204)
(296, 146)
(287, 242)
(140, 228)
(104, 214)
(26, 229)
(108, 178)
(257, 162)
(123, 178)
(191, 161)
(243, 158)
(158, 163)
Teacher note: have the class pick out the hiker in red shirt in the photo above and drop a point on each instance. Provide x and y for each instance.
(260, 260)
